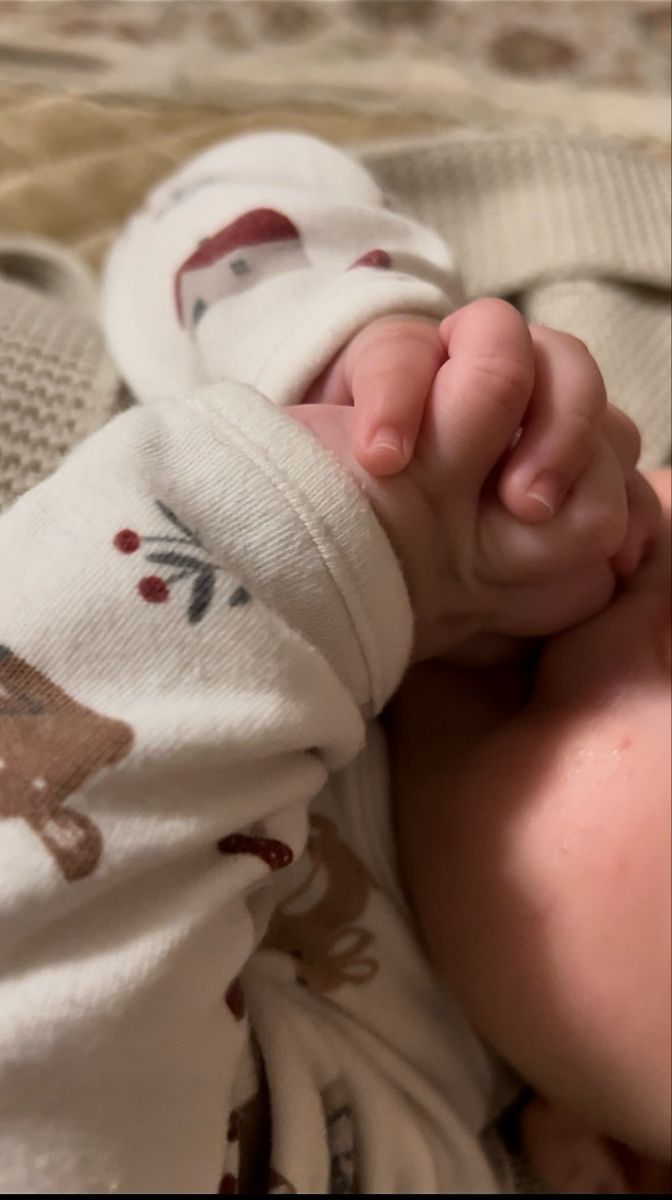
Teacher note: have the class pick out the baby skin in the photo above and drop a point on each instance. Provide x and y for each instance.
(505, 481)
(533, 816)
(508, 486)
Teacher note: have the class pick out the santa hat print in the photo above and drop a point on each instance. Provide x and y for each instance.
(257, 262)
(261, 227)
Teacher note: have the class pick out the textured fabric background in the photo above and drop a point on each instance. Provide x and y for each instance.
(425, 61)
(100, 97)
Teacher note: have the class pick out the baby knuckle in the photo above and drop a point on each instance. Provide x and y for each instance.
(630, 429)
(589, 389)
(605, 530)
(583, 430)
(568, 341)
(576, 343)
(493, 305)
(634, 441)
(623, 435)
(506, 381)
(585, 424)
(597, 394)
(574, 349)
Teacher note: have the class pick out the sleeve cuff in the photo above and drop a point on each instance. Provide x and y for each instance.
(304, 531)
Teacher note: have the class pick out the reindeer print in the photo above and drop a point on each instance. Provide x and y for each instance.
(328, 948)
(49, 746)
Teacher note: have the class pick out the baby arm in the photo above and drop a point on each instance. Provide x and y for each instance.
(172, 694)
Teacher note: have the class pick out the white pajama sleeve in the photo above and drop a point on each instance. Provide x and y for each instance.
(258, 261)
(195, 613)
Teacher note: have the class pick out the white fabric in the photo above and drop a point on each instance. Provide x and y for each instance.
(199, 613)
(277, 310)
(150, 727)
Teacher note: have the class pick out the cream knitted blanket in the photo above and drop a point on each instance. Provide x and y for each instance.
(575, 231)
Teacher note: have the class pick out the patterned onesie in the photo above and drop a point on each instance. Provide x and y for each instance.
(209, 979)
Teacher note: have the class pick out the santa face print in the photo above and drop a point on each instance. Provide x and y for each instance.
(253, 248)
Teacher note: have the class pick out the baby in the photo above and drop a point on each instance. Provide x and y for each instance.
(533, 813)
(204, 984)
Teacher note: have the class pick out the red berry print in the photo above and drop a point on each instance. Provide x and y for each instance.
(235, 999)
(127, 541)
(274, 853)
(177, 551)
(154, 589)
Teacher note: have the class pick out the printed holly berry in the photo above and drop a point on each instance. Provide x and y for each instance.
(127, 541)
(154, 589)
(182, 550)
(274, 853)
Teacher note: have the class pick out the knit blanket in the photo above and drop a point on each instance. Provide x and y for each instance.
(574, 230)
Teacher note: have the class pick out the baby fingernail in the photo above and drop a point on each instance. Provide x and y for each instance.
(547, 490)
(387, 439)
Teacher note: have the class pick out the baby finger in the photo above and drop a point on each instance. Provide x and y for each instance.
(560, 430)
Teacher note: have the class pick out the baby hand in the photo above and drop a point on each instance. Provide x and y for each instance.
(520, 500)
